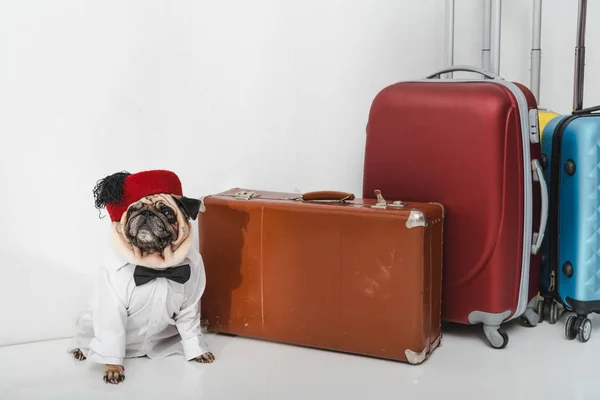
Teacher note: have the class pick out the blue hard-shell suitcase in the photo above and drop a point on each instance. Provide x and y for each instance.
(571, 251)
(570, 273)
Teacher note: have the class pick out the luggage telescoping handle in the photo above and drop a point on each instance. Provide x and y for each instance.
(492, 18)
(538, 176)
(464, 68)
(449, 29)
(536, 49)
(579, 56)
(486, 61)
(495, 34)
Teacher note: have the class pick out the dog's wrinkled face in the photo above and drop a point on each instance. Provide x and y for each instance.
(155, 231)
(151, 225)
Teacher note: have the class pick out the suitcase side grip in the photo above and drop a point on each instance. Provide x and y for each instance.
(538, 176)
(327, 195)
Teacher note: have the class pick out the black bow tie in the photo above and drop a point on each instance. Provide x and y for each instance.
(143, 275)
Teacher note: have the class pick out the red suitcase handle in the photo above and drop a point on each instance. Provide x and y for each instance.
(465, 68)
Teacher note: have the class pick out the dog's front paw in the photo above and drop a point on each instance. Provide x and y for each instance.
(205, 358)
(114, 373)
(78, 354)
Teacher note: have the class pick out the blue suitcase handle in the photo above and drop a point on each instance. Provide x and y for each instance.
(588, 110)
(464, 68)
(538, 176)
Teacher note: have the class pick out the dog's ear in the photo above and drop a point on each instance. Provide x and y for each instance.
(189, 207)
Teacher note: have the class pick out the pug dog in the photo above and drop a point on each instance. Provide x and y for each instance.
(146, 300)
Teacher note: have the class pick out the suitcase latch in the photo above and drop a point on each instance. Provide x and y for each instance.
(382, 203)
(244, 195)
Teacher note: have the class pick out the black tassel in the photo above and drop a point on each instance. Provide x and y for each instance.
(109, 190)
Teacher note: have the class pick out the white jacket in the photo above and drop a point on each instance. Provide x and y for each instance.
(156, 319)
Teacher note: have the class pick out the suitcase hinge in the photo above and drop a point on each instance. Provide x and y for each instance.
(382, 203)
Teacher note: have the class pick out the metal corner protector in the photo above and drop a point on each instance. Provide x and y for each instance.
(416, 218)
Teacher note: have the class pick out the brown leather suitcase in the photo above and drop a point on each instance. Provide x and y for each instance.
(324, 270)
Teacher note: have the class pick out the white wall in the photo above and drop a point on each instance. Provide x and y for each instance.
(264, 94)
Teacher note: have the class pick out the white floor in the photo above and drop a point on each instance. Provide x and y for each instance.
(538, 363)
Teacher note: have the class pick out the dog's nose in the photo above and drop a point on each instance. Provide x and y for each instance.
(146, 213)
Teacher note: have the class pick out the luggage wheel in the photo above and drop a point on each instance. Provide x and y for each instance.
(496, 336)
(547, 309)
(579, 327)
(530, 318)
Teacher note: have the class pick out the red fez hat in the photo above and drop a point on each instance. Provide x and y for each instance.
(118, 191)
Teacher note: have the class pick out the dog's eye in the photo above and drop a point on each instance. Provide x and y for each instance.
(167, 212)
(132, 209)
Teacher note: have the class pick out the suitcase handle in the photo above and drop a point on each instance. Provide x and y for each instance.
(465, 68)
(588, 110)
(538, 176)
(327, 195)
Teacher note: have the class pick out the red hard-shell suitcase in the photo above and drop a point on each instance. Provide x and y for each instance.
(473, 146)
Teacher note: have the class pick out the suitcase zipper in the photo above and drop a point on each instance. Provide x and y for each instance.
(553, 210)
